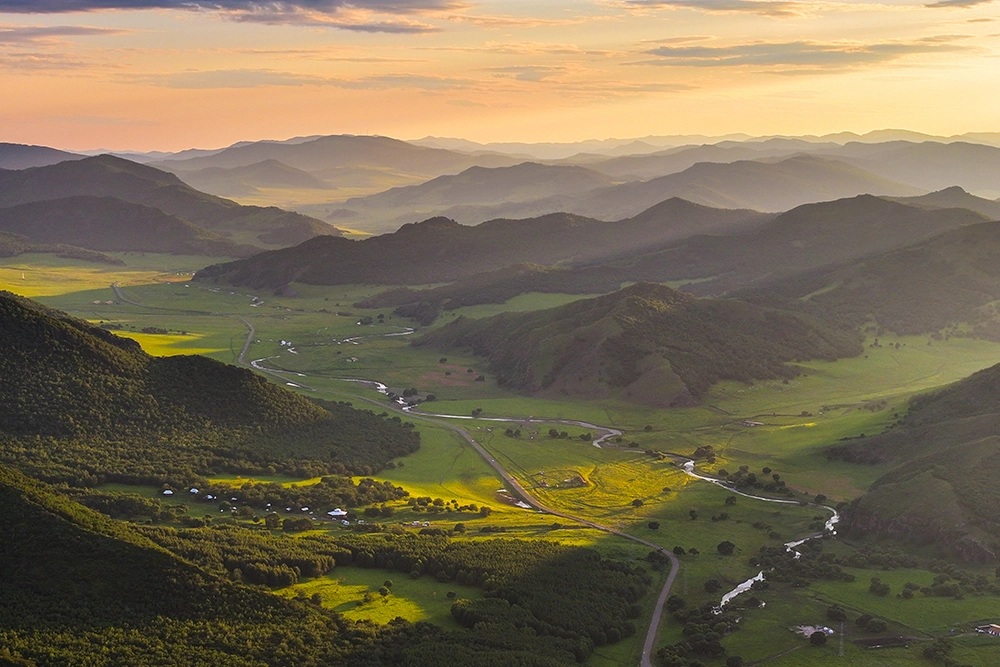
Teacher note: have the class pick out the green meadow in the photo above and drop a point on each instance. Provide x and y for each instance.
(621, 487)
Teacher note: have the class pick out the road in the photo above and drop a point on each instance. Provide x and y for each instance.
(511, 483)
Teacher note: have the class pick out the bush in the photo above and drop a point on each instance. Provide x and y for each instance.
(726, 548)
(817, 638)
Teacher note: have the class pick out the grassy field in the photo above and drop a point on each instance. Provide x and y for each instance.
(423, 599)
(800, 418)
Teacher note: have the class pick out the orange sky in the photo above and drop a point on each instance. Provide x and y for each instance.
(79, 74)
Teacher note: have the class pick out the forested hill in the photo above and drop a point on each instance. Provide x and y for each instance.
(946, 457)
(937, 284)
(110, 224)
(80, 403)
(77, 588)
(440, 250)
(646, 343)
(109, 176)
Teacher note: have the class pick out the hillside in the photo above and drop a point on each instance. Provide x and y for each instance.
(930, 164)
(241, 181)
(424, 306)
(441, 250)
(952, 278)
(109, 224)
(12, 245)
(80, 403)
(803, 239)
(22, 156)
(942, 488)
(954, 197)
(646, 343)
(108, 176)
(528, 180)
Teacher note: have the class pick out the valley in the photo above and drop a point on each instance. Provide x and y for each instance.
(314, 340)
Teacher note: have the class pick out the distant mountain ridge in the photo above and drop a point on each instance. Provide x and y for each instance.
(110, 224)
(109, 176)
(21, 156)
(439, 250)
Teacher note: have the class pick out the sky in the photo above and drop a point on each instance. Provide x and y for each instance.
(175, 74)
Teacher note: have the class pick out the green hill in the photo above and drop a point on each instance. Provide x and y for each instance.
(106, 223)
(82, 405)
(646, 343)
(949, 280)
(441, 250)
(803, 239)
(946, 458)
(109, 176)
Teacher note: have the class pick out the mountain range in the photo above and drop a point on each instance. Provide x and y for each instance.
(108, 176)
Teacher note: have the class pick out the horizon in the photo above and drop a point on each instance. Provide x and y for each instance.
(166, 75)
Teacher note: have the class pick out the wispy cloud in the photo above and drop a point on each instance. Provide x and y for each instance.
(805, 55)
(776, 8)
(957, 3)
(385, 16)
(21, 34)
(527, 72)
(231, 78)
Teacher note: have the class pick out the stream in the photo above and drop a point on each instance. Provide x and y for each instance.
(606, 433)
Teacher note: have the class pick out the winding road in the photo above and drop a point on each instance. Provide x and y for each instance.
(511, 483)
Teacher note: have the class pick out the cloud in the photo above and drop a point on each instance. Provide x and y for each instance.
(776, 8)
(355, 15)
(21, 34)
(527, 72)
(957, 3)
(232, 78)
(810, 56)
(412, 81)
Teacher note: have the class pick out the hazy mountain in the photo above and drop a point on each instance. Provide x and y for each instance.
(663, 163)
(441, 250)
(340, 151)
(954, 197)
(646, 343)
(239, 181)
(942, 489)
(521, 182)
(108, 176)
(803, 239)
(930, 165)
(106, 223)
(21, 156)
(925, 287)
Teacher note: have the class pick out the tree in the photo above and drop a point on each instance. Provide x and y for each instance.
(383, 591)
(730, 500)
(272, 521)
(713, 585)
(836, 613)
(653, 525)
(817, 638)
(460, 528)
(648, 427)
(726, 548)
(387, 583)
(693, 551)
(878, 587)
(820, 499)
(693, 514)
(637, 502)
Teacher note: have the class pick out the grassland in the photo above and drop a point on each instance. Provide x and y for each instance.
(829, 401)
